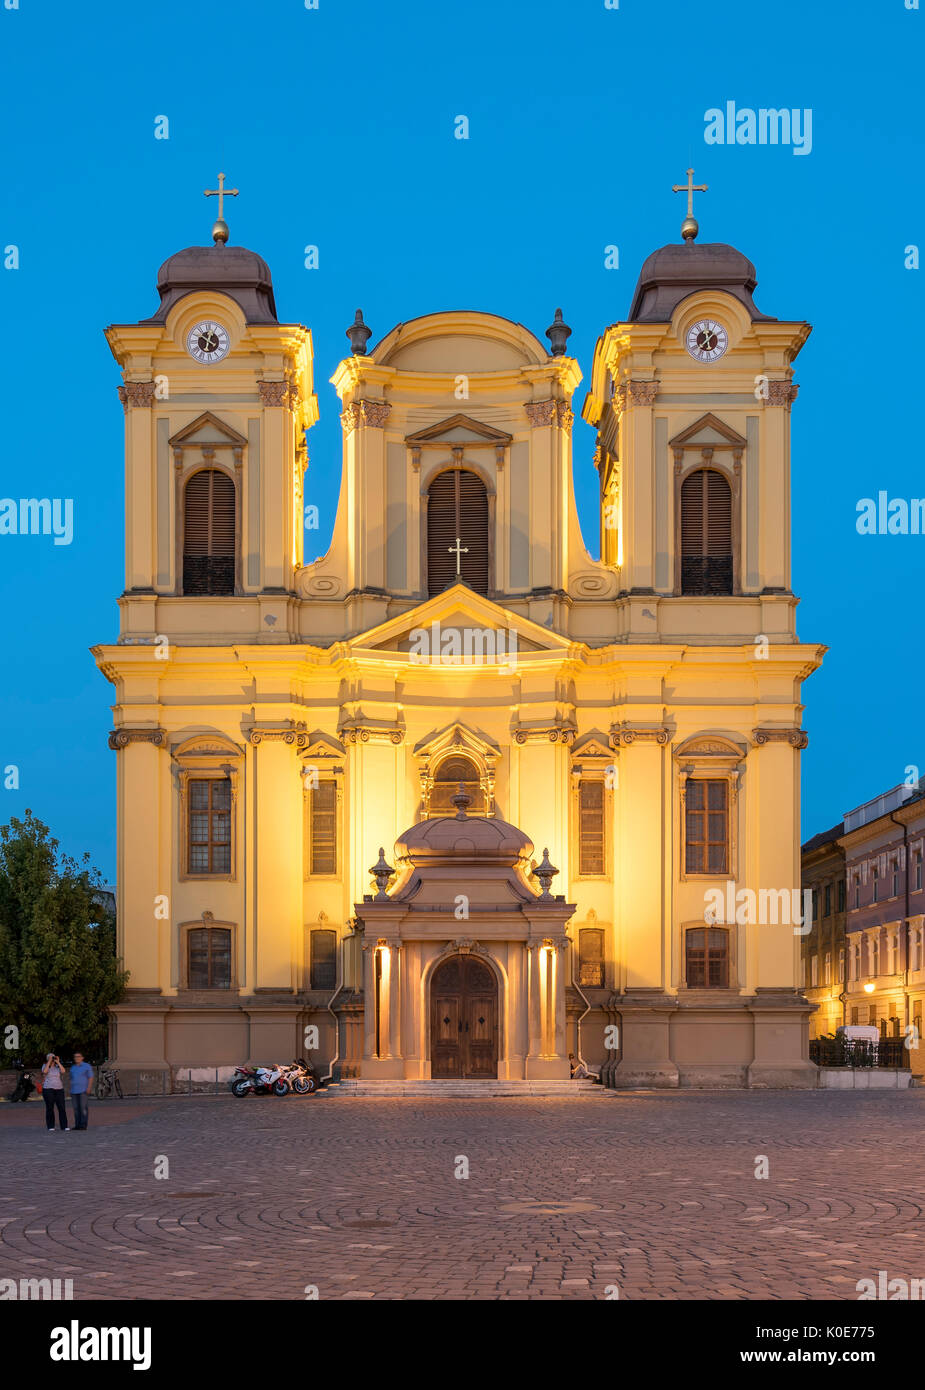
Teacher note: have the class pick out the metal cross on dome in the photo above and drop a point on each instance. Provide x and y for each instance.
(220, 230)
(689, 228)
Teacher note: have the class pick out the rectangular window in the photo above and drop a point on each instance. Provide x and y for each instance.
(857, 892)
(815, 904)
(841, 895)
(828, 900)
(209, 848)
(591, 827)
(827, 969)
(876, 878)
(855, 1014)
(323, 959)
(707, 958)
(591, 957)
(323, 834)
(814, 975)
(706, 833)
(895, 880)
(209, 958)
(918, 872)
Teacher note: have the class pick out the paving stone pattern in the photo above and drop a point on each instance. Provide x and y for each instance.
(649, 1196)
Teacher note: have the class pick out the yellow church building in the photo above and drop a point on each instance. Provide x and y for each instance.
(449, 802)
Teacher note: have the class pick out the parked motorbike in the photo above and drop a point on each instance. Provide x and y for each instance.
(24, 1086)
(262, 1081)
(301, 1077)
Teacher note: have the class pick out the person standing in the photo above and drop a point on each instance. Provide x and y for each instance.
(53, 1091)
(81, 1081)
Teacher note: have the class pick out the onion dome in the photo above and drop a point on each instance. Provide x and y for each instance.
(232, 270)
(681, 269)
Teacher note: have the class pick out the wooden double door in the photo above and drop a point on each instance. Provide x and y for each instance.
(463, 1020)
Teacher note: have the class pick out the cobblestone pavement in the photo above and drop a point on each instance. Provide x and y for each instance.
(654, 1195)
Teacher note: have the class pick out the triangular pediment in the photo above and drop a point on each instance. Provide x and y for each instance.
(461, 610)
(461, 429)
(207, 429)
(457, 736)
(322, 746)
(708, 432)
(593, 745)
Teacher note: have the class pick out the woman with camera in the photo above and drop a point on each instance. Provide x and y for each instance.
(53, 1091)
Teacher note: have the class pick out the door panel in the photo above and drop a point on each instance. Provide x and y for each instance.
(464, 1013)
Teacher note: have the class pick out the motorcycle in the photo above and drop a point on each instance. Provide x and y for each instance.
(301, 1077)
(24, 1086)
(262, 1081)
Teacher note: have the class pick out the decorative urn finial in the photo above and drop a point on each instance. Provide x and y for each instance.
(462, 801)
(359, 335)
(558, 333)
(382, 872)
(545, 873)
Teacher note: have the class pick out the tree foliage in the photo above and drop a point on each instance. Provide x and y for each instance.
(58, 967)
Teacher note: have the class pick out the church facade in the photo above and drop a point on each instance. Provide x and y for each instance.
(453, 801)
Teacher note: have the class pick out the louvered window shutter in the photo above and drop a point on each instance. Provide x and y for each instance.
(208, 533)
(706, 533)
(591, 827)
(457, 509)
(324, 828)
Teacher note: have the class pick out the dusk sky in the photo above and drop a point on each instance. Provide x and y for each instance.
(337, 125)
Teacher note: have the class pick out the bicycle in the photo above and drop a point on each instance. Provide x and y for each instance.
(107, 1081)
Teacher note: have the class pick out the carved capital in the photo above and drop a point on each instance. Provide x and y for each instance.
(364, 412)
(541, 412)
(551, 733)
(294, 734)
(782, 393)
(797, 738)
(273, 392)
(564, 415)
(364, 733)
(623, 735)
(120, 738)
(642, 392)
(137, 393)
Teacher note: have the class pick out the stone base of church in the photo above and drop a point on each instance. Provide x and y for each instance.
(695, 1041)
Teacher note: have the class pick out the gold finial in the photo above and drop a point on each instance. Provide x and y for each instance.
(220, 229)
(689, 227)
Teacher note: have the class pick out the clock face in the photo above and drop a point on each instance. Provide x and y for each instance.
(707, 340)
(207, 342)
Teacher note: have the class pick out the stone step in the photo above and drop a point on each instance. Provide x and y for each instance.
(477, 1090)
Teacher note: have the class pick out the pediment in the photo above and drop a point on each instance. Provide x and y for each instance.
(593, 745)
(457, 736)
(322, 746)
(458, 429)
(708, 432)
(482, 623)
(207, 429)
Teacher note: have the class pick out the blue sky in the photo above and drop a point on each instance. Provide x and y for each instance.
(337, 125)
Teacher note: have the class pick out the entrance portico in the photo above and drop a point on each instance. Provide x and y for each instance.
(464, 962)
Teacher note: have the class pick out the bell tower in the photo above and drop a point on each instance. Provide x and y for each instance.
(691, 399)
(218, 396)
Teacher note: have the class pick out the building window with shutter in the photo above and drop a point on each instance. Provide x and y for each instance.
(706, 826)
(209, 534)
(209, 825)
(591, 957)
(208, 958)
(591, 827)
(706, 534)
(322, 831)
(457, 531)
(707, 958)
(323, 959)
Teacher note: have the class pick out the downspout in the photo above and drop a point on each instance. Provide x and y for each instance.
(905, 923)
(582, 1016)
(341, 972)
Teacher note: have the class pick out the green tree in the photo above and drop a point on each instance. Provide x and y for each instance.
(58, 967)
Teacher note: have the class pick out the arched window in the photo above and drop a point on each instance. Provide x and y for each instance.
(209, 533)
(706, 533)
(448, 776)
(457, 531)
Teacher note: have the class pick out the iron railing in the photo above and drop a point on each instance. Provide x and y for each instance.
(858, 1052)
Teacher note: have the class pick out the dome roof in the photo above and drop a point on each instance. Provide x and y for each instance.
(233, 270)
(462, 839)
(681, 269)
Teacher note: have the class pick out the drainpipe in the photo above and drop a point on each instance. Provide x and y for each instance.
(905, 829)
(340, 967)
(584, 1015)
